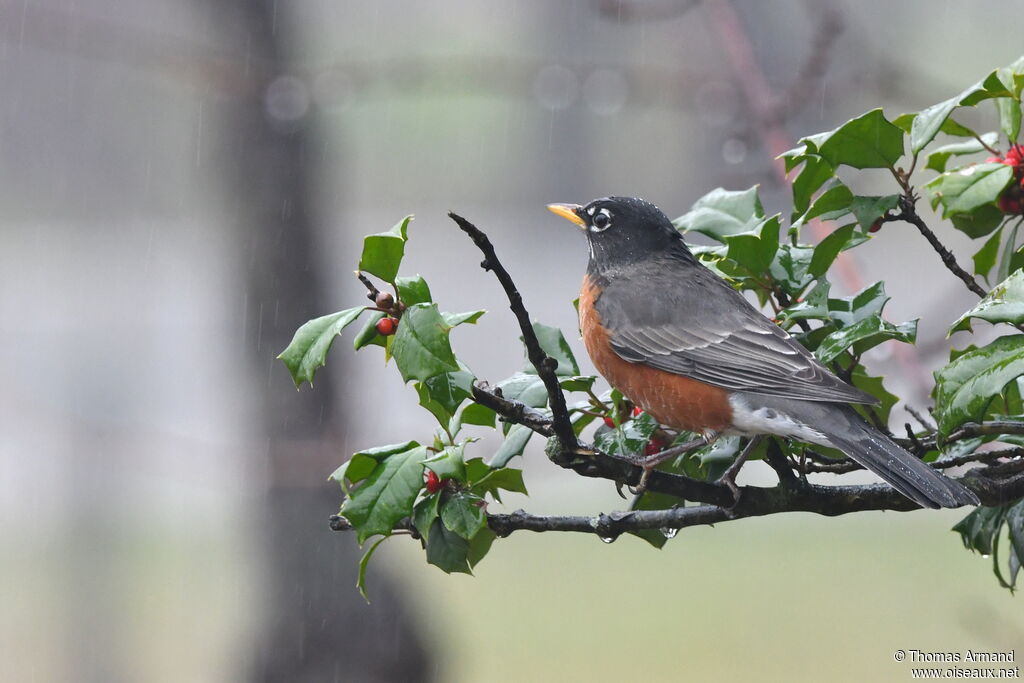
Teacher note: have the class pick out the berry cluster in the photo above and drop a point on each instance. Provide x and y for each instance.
(1011, 202)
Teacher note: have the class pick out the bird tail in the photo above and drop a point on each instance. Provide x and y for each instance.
(904, 472)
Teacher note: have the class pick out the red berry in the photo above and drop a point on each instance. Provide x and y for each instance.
(609, 422)
(876, 226)
(995, 160)
(653, 446)
(434, 484)
(387, 326)
(1014, 156)
(637, 411)
(384, 300)
(1010, 205)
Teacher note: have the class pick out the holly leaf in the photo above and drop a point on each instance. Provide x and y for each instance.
(447, 550)
(629, 438)
(965, 189)
(424, 514)
(868, 141)
(421, 348)
(383, 252)
(813, 307)
(966, 386)
(790, 265)
(462, 513)
(308, 348)
(456, 319)
(863, 335)
(979, 530)
(722, 212)
(448, 464)
(930, 121)
(754, 250)
(1004, 304)
(476, 414)
(525, 387)
(554, 345)
(443, 394)
(832, 203)
(363, 563)
(828, 249)
(413, 290)
(479, 546)
(368, 334)
(979, 221)
(868, 209)
(513, 445)
(985, 258)
(577, 383)
(867, 302)
(1009, 116)
(813, 175)
(387, 494)
(362, 463)
(938, 158)
(504, 479)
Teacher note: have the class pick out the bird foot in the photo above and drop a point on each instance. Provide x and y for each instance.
(647, 463)
(728, 477)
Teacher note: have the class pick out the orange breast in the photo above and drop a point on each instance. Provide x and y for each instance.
(673, 400)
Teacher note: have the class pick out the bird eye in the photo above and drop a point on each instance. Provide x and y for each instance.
(601, 220)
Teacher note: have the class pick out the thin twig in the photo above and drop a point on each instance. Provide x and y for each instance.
(371, 289)
(921, 419)
(908, 214)
(542, 363)
(513, 411)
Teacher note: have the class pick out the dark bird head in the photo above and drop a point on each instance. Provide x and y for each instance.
(624, 230)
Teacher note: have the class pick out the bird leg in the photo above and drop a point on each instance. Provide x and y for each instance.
(647, 463)
(729, 476)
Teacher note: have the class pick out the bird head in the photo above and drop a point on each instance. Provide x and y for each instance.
(623, 230)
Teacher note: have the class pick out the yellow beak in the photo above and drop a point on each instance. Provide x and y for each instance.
(569, 212)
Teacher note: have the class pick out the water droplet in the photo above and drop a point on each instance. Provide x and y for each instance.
(734, 151)
(607, 539)
(287, 99)
(668, 533)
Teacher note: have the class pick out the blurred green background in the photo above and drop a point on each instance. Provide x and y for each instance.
(185, 182)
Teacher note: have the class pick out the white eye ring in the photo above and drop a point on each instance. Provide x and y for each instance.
(601, 220)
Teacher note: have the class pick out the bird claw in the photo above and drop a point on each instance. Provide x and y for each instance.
(645, 475)
(729, 476)
(730, 483)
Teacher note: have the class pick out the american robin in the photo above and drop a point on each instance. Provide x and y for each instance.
(689, 349)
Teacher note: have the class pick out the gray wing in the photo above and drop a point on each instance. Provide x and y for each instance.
(694, 324)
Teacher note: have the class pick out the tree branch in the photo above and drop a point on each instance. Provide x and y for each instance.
(908, 214)
(542, 363)
(512, 411)
(831, 501)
